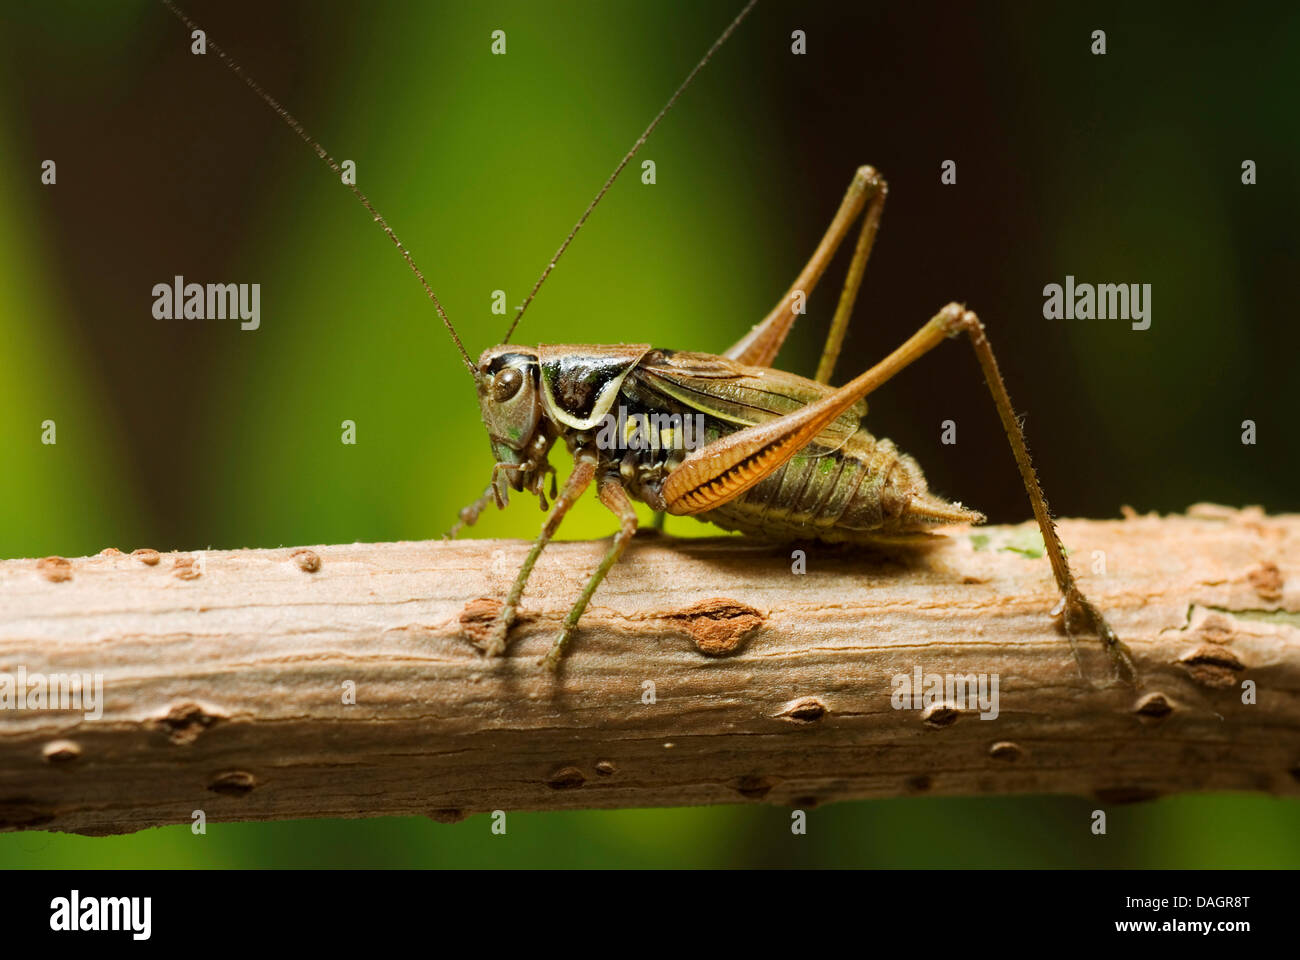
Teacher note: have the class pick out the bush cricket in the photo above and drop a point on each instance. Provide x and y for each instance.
(725, 438)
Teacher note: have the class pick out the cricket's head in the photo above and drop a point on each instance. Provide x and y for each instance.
(510, 398)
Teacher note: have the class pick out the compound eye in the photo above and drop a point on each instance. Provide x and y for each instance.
(506, 384)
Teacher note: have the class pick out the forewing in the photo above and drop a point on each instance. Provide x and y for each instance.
(741, 394)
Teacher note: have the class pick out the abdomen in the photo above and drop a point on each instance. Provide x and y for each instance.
(866, 491)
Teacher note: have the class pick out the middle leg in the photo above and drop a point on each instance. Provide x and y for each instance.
(613, 496)
(584, 468)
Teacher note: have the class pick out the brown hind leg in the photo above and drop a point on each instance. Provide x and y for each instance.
(759, 347)
(726, 468)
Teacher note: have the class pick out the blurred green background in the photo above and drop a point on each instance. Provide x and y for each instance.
(193, 434)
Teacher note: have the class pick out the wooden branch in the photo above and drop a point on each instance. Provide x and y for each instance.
(225, 676)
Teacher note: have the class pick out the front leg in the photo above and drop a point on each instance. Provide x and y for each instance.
(469, 515)
(584, 468)
(613, 496)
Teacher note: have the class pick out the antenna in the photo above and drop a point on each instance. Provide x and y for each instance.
(627, 157)
(297, 128)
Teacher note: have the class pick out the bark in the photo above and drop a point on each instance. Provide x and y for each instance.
(705, 671)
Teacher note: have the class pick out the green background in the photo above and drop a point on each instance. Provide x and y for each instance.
(193, 434)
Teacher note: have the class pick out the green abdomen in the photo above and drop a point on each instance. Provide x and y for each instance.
(839, 496)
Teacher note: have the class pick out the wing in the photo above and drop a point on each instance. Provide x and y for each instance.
(737, 393)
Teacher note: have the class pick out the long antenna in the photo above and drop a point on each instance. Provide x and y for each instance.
(297, 128)
(624, 162)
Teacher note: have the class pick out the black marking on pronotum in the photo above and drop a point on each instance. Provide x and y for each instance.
(582, 385)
